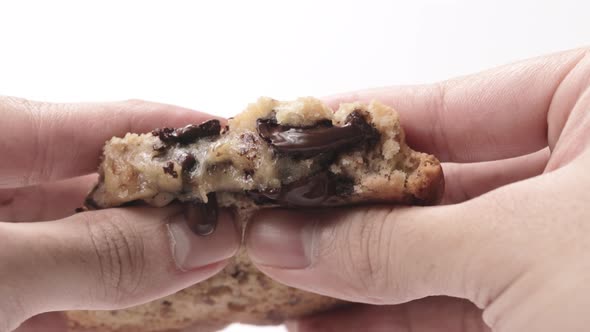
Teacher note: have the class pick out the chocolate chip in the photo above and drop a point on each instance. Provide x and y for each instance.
(240, 276)
(166, 303)
(322, 123)
(162, 132)
(236, 307)
(188, 134)
(135, 202)
(169, 169)
(188, 163)
(357, 119)
(79, 209)
(90, 203)
(343, 185)
(248, 174)
(202, 217)
(320, 138)
(191, 133)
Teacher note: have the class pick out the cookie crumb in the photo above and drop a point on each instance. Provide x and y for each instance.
(169, 169)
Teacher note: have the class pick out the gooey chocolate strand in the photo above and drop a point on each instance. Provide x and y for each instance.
(202, 217)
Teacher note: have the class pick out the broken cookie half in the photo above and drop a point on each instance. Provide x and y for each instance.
(292, 154)
(296, 154)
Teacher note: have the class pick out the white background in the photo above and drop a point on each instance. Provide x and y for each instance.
(218, 56)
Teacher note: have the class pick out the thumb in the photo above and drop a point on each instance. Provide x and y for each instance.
(381, 255)
(106, 259)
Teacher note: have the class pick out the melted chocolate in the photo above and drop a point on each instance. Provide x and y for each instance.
(188, 163)
(90, 203)
(188, 134)
(202, 217)
(136, 202)
(315, 191)
(320, 138)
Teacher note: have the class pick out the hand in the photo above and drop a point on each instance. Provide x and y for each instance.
(106, 259)
(510, 246)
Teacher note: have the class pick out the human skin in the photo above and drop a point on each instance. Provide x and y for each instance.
(509, 248)
(52, 259)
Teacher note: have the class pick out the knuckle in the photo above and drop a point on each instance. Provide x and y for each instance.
(29, 114)
(13, 315)
(367, 254)
(119, 251)
(440, 106)
(134, 103)
(134, 112)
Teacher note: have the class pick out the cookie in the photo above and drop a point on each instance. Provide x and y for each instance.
(296, 154)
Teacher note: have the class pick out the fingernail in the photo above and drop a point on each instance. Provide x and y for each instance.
(281, 239)
(191, 251)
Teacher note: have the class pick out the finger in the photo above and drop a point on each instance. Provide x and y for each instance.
(107, 259)
(50, 322)
(466, 181)
(49, 201)
(360, 254)
(391, 255)
(54, 141)
(500, 113)
(569, 131)
(441, 314)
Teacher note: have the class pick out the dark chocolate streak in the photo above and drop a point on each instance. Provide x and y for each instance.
(169, 169)
(320, 138)
(188, 134)
(315, 191)
(202, 217)
(188, 163)
(90, 203)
